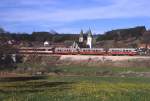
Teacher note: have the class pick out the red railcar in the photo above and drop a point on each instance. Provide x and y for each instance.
(66, 51)
(92, 51)
(122, 51)
(74, 51)
(36, 50)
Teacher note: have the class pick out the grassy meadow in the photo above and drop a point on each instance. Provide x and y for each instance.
(56, 88)
(79, 82)
(93, 69)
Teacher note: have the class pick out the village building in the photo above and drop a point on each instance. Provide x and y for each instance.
(46, 44)
(89, 39)
(81, 37)
(85, 40)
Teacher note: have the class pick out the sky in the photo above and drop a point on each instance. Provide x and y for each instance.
(70, 16)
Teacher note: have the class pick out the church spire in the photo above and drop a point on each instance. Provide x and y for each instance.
(81, 33)
(89, 33)
(81, 36)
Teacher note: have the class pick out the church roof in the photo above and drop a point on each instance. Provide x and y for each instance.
(82, 44)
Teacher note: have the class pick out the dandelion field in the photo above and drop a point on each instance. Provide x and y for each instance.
(81, 82)
(56, 88)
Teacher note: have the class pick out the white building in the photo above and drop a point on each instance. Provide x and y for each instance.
(46, 43)
(81, 39)
(82, 43)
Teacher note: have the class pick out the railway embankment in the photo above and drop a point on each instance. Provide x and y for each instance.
(102, 58)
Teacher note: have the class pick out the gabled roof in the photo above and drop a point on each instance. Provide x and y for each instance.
(81, 44)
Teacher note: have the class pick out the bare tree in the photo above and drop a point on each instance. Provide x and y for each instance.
(6, 60)
(146, 38)
(146, 41)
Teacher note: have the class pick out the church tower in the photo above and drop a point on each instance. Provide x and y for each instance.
(89, 39)
(81, 39)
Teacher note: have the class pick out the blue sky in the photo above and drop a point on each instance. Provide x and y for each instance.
(70, 16)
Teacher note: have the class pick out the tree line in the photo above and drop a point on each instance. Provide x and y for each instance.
(37, 36)
(119, 34)
(6, 50)
(122, 34)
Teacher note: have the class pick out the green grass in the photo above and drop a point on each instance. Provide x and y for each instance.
(76, 69)
(77, 89)
(81, 87)
(99, 79)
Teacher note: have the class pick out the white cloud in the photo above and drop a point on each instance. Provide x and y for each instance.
(119, 9)
(75, 30)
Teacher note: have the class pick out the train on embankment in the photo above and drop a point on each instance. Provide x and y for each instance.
(80, 51)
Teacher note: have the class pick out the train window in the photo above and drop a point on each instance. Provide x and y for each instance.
(41, 49)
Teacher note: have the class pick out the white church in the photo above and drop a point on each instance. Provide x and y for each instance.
(85, 40)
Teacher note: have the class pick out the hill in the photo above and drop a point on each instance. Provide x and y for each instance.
(130, 37)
